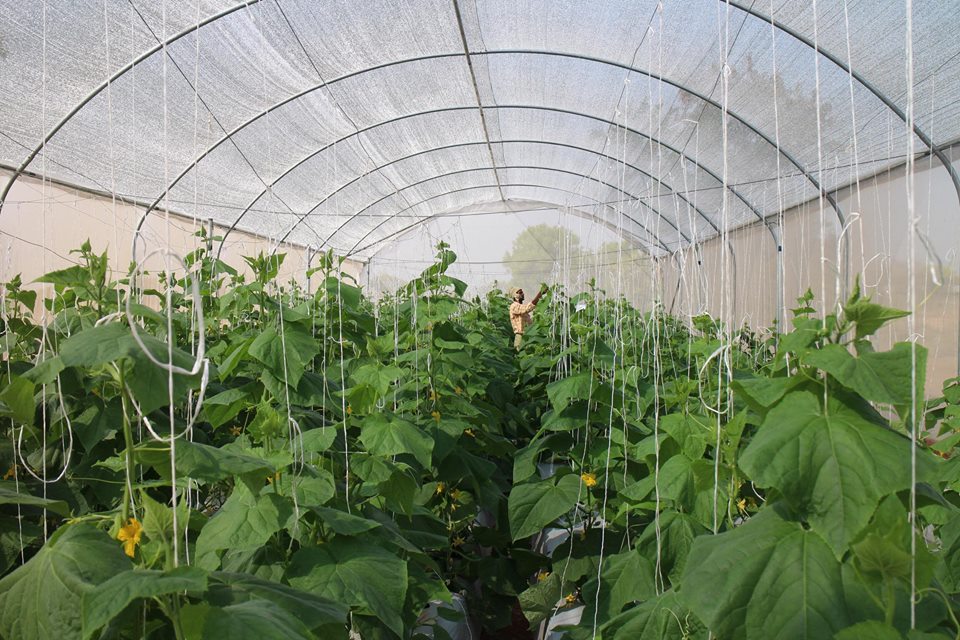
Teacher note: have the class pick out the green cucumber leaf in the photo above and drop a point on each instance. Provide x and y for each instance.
(286, 356)
(344, 523)
(111, 597)
(42, 599)
(245, 521)
(313, 611)
(869, 630)
(356, 573)
(769, 579)
(17, 401)
(569, 389)
(12, 497)
(249, 620)
(833, 466)
(663, 617)
(387, 436)
(880, 376)
(625, 577)
(535, 505)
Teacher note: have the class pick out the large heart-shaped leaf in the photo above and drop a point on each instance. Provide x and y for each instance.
(42, 599)
(250, 620)
(386, 436)
(286, 356)
(534, 505)
(664, 617)
(112, 341)
(12, 497)
(881, 376)
(245, 521)
(832, 466)
(203, 462)
(16, 400)
(312, 610)
(768, 579)
(625, 577)
(676, 536)
(569, 389)
(356, 573)
(110, 598)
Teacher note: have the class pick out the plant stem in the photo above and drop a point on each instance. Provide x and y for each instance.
(128, 442)
(890, 599)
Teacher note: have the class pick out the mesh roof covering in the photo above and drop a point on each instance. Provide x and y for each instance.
(342, 123)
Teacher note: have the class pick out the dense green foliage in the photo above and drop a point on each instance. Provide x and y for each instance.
(351, 463)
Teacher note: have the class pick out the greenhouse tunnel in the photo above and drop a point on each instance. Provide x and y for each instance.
(266, 373)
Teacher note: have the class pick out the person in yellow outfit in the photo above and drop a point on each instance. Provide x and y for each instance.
(520, 315)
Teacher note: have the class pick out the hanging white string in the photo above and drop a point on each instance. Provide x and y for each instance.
(43, 289)
(726, 301)
(7, 357)
(855, 165)
(68, 449)
(912, 296)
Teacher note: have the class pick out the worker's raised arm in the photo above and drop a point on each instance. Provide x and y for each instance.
(540, 293)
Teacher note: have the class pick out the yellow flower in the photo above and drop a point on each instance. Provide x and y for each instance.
(742, 505)
(276, 476)
(129, 535)
(455, 495)
(440, 487)
(458, 541)
(471, 433)
(435, 415)
(571, 598)
(458, 391)
(349, 410)
(433, 395)
(542, 575)
(589, 479)
(11, 472)
(235, 430)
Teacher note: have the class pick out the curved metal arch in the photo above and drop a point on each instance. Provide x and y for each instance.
(296, 96)
(483, 143)
(470, 108)
(649, 74)
(749, 11)
(353, 250)
(475, 169)
(551, 143)
(658, 77)
(113, 78)
(591, 117)
(890, 104)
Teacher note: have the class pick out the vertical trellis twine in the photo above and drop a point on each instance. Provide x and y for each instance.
(912, 297)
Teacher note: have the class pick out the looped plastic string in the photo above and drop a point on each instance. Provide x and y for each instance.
(198, 309)
(191, 416)
(853, 217)
(933, 258)
(884, 258)
(726, 360)
(68, 452)
(111, 317)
